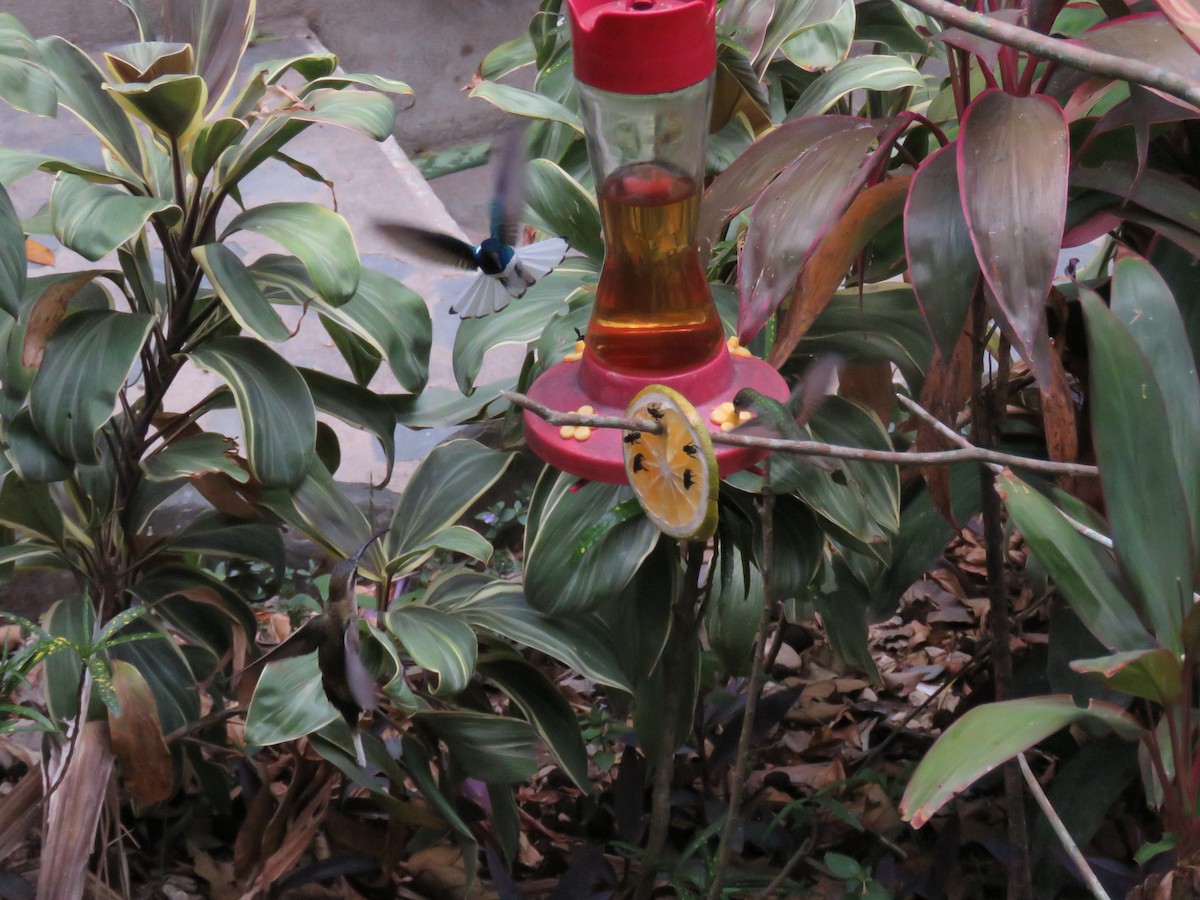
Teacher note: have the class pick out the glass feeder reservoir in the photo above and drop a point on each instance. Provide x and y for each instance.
(644, 70)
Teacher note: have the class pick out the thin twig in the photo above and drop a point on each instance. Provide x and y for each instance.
(816, 448)
(1074, 55)
(807, 846)
(1085, 871)
(737, 780)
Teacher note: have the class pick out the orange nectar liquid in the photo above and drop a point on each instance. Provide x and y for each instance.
(653, 313)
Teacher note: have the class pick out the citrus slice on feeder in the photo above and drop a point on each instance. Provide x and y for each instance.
(673, 474)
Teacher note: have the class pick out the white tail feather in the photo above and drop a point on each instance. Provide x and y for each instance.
(540, 259)
(484, 296)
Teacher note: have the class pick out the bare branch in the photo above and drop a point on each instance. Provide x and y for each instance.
(816, 448)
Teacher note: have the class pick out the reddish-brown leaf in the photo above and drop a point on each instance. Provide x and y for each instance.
(1058, 418)
(869, 384)
(825, 269)
(946, 390)
(39, 254)
(137, 738)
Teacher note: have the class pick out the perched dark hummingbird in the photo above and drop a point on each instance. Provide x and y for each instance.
(505, 271)
(333, 633)
(785, 420)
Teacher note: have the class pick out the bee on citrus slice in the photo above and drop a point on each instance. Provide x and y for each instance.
(673, 474)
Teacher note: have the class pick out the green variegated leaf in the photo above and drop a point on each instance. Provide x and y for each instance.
(192, 456)
(12, 257)
(357, 407)
(288, 702)
(446, 483)
(94, 219)
(872, 73)
(165, 669)
(70, 623)
(545, 708)
(1154, 675)
(456, 539)
(172, 105)
(219, 32)
(30, 507)
(559, 578)
(235, 285)
(276, 408)
(526, 103)
(85, 364)
(339, 80)
(30, 455)
(437, 642)
(560, 205)
(24, 82)
(317, 236)
(211, 141)
(79, 82)
(731, 616)
(494, 749)
(581, 642)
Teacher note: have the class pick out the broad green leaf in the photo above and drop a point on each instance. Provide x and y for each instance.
(1142, 300)
(196, 455)
(94, 219)
(522, 322)
(1151, 526)
(144, 61)
(356, 406)
(211, 141)
(188, 598)
(420, 768)
(581, 642)
(1072, 561)
(141, 17)
(172, 105)
(235, 286)
(1013, 157)
(214, 534)
(12, 252)
(941, 258)
(868, 73)
(438, 643)
(456, 539)
(85, 364)
(48, 299)
(30, 507)
(731, 616)
(219, 32)
(165, 669)
(560, 205)
(309, 66)
(276, 409)
(494, 749)
(677, 674)
(319, 237)
(80, 89)
(24, 82)
(507, 58)
(26, 554)
(1154, 675)
(790, 216)
(319, 508)
(823, 44)
(31, 455)
(992, 734)
(288, 702)
(545, 708)
(638, 622)
(438, 407)
(559, 578)
(447, 482)
(844, 604)
(526, 103)
(70, 622)
(341, 80)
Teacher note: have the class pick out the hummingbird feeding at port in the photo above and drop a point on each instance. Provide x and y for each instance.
(506, 271)
(333, 634)
(786, 420)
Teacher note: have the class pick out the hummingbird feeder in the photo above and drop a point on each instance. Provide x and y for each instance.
(644, 70)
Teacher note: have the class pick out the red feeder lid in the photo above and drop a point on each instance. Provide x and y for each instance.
(643, 46)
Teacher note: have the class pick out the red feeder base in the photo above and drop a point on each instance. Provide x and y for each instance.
(570, 385)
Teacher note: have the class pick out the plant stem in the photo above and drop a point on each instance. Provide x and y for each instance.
(683, 630)
(737, 780)
(816, 448)
(1077, 57)
(1064, 836)
(984, 403)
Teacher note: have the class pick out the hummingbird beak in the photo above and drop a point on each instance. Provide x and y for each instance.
(358, 554)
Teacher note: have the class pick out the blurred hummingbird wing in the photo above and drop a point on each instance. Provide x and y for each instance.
(433, 245)
(306, 639)
(508, 204)
(485, 296)
(359, 680)
(540, 259)
(814, 387)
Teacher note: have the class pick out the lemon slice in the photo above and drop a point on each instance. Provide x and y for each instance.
(673, 474)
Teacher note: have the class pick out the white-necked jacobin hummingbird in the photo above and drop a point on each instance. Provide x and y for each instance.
(505, 271)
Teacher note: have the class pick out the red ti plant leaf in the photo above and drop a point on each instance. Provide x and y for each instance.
(1185, 16)
(941, 258)
(741, 183)
(790, 217)
(1058, 416)
(946, 390)
(871, 210)
(1013, 157)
